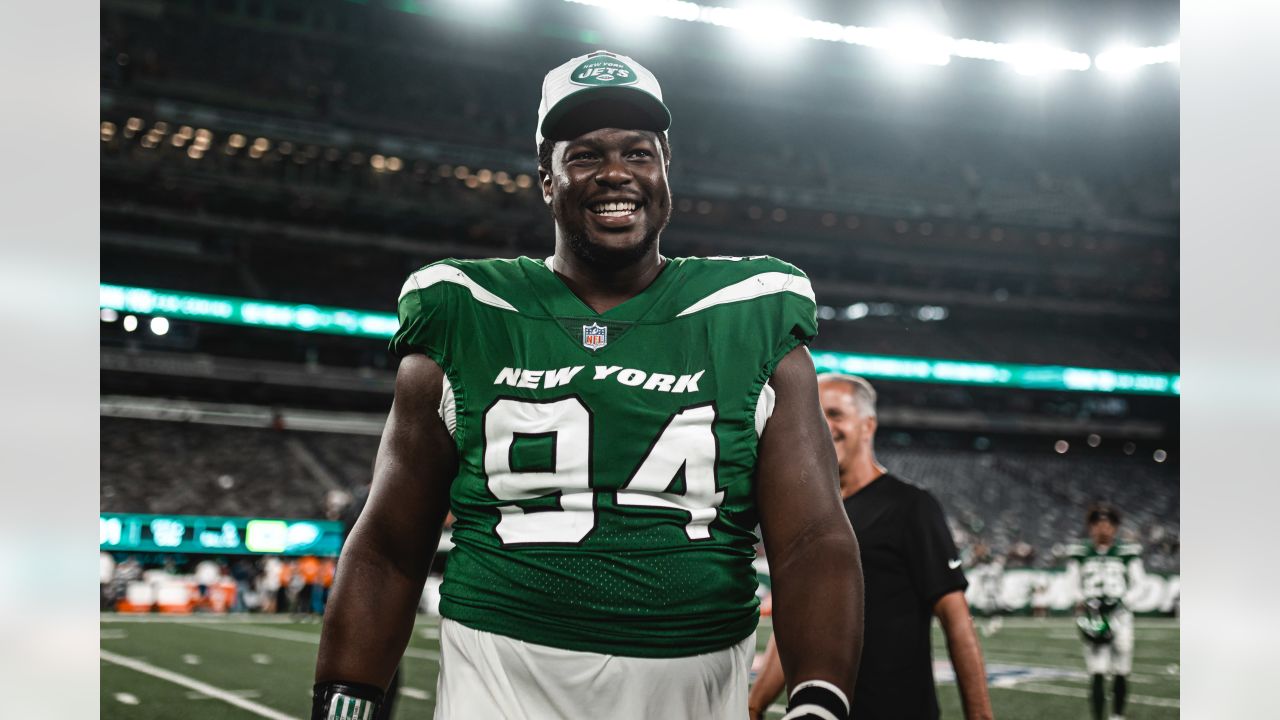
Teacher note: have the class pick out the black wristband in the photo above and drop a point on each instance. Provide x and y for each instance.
(345, 701)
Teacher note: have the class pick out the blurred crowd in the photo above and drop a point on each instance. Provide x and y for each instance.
(318, 66)
(1021, 510)
(265, 584)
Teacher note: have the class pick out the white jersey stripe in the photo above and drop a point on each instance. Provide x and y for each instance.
(768, 283)
(448, 406)
(428, 276)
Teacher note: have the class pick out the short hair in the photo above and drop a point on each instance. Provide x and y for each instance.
(864, 396)
(547, 145)
(1102, 511)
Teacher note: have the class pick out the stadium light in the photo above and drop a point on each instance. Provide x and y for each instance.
(856, 311)
(1036, 58)
(160, 325)
(130, 323)
(1124, 59)
(911, 45)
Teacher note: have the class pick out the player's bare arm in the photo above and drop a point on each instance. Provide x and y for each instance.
(813, 554)
(952, 612)
(769, 682)
(385, 561)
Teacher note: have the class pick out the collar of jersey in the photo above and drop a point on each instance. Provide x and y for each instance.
(560, 301)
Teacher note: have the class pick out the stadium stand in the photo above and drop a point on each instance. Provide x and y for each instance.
(1004, 500)
(155, 466)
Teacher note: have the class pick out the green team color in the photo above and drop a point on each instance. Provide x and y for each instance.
(1104, 575)
(604, 500)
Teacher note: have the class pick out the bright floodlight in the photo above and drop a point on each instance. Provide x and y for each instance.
(1037, 58)
(856, 311)
(159, 325)
(918, 46)
(769, 24)
(1124, 59)
(130, 323)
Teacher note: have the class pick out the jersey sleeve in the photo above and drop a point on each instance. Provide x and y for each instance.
(799, 312)
(934, 562)
(425, 320)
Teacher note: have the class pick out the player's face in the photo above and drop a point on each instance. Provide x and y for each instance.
(1102, 532)
(608, 193)
(851, 433)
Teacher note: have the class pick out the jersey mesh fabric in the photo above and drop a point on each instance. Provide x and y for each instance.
(642, 580)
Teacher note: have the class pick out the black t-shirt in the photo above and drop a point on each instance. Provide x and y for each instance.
(908, 561)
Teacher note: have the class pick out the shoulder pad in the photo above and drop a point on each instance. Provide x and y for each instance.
(722, 280)
(461, 273)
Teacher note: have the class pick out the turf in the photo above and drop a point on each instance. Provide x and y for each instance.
(1036, 669)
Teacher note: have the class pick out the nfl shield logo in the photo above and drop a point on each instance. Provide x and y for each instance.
(594, 336)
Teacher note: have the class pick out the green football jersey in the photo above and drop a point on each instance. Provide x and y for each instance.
(604, 500)
(1106, 575)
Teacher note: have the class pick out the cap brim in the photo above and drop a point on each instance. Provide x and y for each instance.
(599, 107)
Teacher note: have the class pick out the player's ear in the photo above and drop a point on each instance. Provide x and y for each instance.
(544, 179)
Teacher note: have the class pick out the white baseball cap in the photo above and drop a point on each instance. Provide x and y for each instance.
(600, 89)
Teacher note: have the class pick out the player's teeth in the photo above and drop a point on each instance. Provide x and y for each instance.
(615, 208)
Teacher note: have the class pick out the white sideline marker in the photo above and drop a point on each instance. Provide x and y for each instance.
(193, 684)
(197, 695)
(191, 659)
(415, 693)
(127, 698)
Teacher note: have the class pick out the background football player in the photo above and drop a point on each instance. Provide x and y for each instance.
(1103, 572)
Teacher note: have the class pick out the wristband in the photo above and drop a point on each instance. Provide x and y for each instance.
(817, 700)
(345, 701)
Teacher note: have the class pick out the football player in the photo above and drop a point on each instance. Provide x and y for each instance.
(1103, 572)
(608, 426)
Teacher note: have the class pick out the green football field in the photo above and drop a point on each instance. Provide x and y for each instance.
(199, 667)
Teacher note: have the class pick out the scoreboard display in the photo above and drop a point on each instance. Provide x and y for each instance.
(121, 532)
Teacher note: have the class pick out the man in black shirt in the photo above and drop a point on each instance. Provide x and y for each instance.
(911, 572)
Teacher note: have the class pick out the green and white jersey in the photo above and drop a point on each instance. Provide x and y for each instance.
(604, 500)
(1106, 574)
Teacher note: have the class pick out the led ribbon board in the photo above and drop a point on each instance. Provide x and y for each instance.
(241, 311)
(342, 321)
(121, 532)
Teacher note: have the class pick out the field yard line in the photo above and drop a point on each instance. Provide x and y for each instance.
(1081, 693)
(193, 684)
(302, 637)
(1024, 623)
(1016, 658)
(185, 619)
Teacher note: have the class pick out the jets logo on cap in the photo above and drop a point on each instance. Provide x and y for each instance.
(603, 70)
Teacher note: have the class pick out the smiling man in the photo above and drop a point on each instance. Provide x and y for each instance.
(912, 574)
(608, 426)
